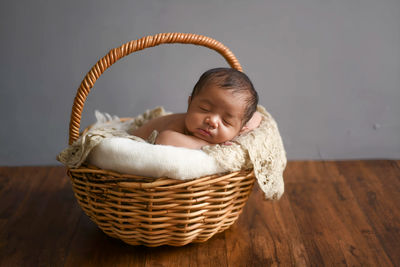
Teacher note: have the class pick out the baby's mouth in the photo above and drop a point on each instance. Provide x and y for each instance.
(204, 132)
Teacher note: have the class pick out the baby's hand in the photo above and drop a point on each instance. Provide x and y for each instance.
(227, 143)
(253, 123)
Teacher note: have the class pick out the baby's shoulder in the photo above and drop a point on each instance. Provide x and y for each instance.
(174, 122)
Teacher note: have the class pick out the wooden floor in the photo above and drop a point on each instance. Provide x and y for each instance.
(332, 213)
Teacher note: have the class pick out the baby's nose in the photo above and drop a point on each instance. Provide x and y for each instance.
(212, 121)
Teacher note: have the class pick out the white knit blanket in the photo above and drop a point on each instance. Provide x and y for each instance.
(109, 146)
(128, 156)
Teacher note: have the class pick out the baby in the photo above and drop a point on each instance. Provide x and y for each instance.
(222, 106)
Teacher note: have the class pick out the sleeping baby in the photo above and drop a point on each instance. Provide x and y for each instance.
(221, 106)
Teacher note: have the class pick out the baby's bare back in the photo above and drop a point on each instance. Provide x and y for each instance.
(173, 122)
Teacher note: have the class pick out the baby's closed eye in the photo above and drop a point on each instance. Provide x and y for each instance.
(227, 122)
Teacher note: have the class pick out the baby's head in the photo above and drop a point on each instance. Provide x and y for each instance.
(221, 103)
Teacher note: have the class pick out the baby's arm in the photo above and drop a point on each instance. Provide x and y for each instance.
(172, 138)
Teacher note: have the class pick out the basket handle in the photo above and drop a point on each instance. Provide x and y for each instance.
(128, 48)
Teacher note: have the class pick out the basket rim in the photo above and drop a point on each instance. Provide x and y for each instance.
(137, 181)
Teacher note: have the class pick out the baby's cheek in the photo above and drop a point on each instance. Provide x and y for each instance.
(198, 118)
(233, 133)
(226, 135)
(193, 121)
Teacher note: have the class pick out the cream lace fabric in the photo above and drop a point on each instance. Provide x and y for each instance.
(261, 149)
(106, 127)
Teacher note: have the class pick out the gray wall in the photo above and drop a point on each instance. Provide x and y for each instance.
(328, 71)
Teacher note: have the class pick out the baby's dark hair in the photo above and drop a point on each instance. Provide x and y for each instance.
(230, 79)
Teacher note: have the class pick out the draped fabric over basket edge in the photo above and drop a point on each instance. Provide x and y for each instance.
(261, 149)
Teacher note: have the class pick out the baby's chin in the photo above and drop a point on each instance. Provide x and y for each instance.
(210, 139)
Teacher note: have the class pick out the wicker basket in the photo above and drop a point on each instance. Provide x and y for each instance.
(156, 211)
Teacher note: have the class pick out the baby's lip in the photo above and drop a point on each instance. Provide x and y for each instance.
(204, 132)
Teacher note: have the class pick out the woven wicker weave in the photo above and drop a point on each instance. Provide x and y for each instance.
(156, 211)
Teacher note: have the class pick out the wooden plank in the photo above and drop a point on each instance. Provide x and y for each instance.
(331, 222)
(364, 246)
(305, 189)
(332, 213)
(106, 251)
(377, 185)
(266, 234)
(210, 253)
(91, 247)
(37, 209)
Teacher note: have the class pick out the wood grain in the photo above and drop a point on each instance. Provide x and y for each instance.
(332, 213)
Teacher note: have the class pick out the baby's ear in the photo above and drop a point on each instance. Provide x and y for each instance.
(244, 129)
